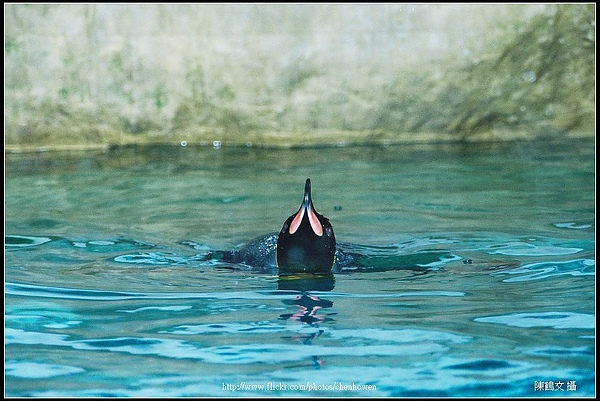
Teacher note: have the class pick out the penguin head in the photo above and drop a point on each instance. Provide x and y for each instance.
(306, 242)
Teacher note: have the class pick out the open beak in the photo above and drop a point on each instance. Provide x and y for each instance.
(307, 209)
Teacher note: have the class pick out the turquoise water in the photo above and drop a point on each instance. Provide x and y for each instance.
(474, 272)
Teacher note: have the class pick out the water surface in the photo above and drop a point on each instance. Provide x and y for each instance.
(477, 275)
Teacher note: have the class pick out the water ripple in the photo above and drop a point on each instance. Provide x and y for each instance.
(561, 352)
(518, 248)
(399, 336)
(32, 290)
(259, 353)
(573, 226)
(541, 270)
(228, 328)
(159, 258)
(159, 308)
(34, 370)
(21, 241)
(557, 320)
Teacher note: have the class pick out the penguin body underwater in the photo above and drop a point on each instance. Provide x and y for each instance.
(305, 244)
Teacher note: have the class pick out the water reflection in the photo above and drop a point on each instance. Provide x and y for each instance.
(309, 308)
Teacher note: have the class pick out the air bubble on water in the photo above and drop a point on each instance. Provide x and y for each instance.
(529, 76)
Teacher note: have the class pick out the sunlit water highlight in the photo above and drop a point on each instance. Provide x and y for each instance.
(473, 273)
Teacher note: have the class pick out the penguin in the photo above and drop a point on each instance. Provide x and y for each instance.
(305, 250)
(306, 242)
